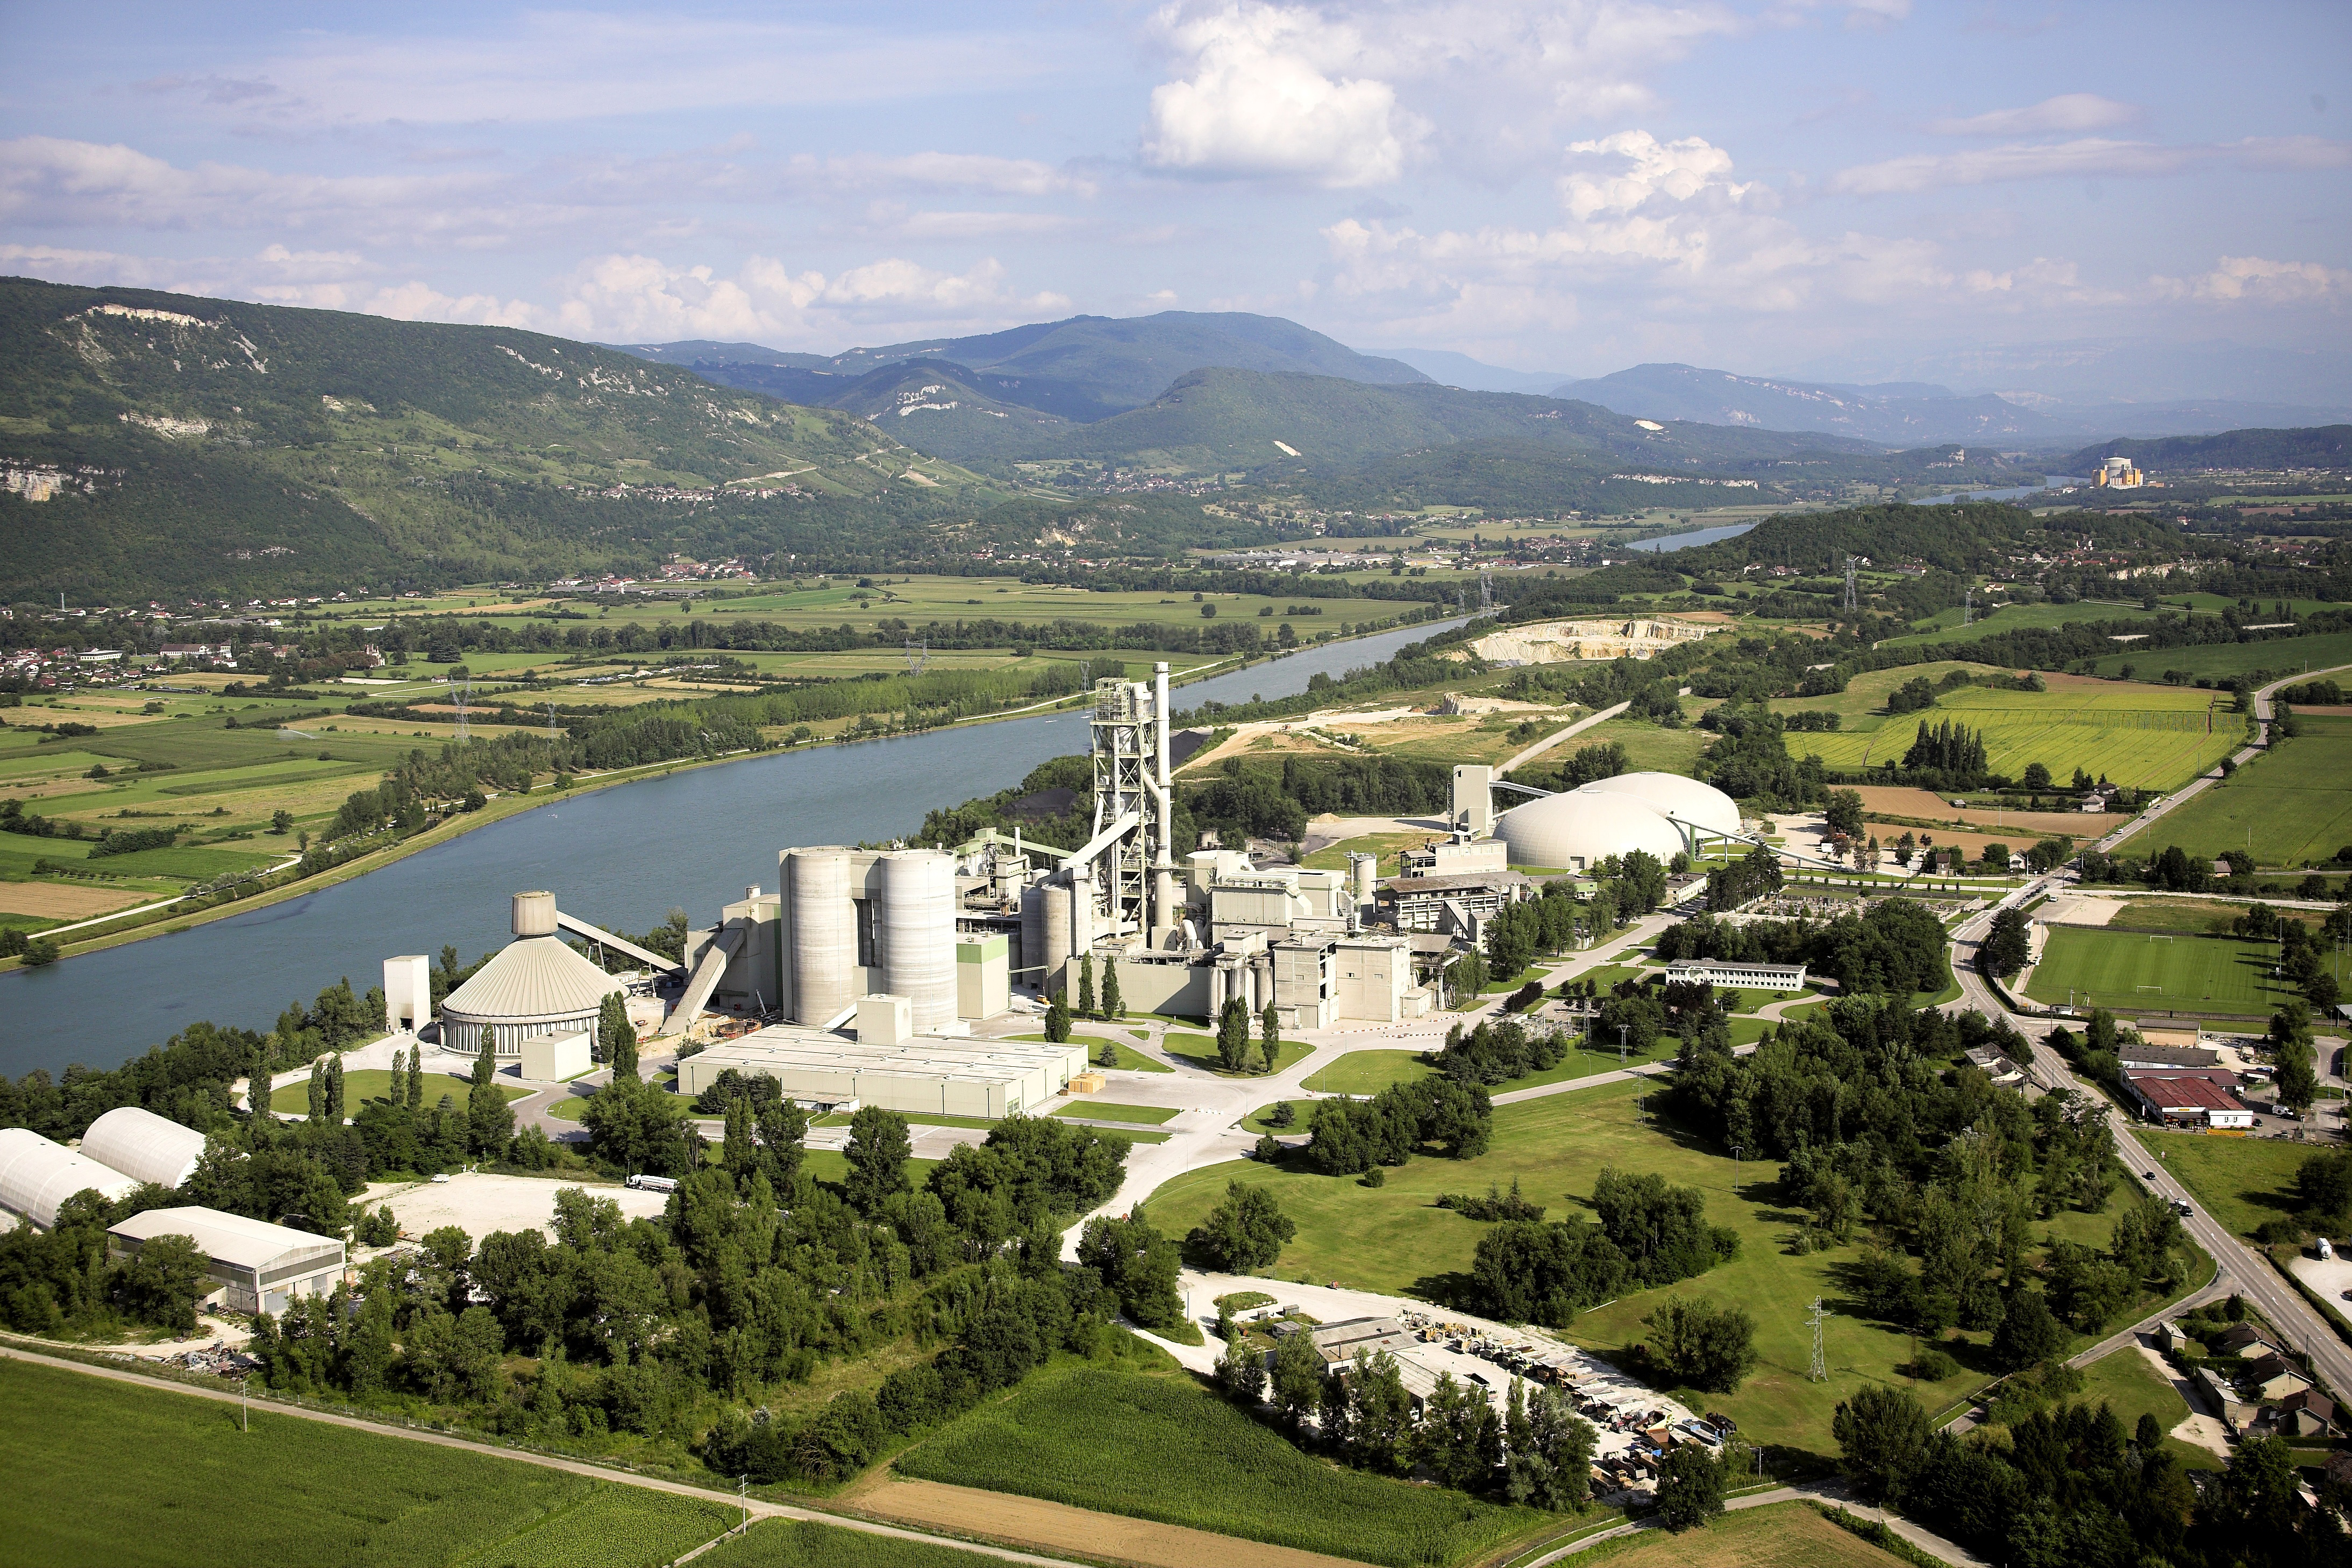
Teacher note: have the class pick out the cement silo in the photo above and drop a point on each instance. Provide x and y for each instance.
(917, 928)
(144, 1146)
(1058, 936)
(1029, 968)
(823, 956)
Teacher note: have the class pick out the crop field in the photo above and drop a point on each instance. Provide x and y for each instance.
(1857, 707)
(2127, 969)
(1945, 627)
(1785, 1535)
(2240, 1181)
(2220, 661)
(1161, 1447)
(804, 1543)
(1395, 1239)
(2139, 736)
(2289, 806)
(157, 1477)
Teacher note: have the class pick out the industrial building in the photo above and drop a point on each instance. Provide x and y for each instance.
(1738, 977)
(144, 1146)
(921, 1074)
(37, 1175)
(254, 1266)
(537, 984)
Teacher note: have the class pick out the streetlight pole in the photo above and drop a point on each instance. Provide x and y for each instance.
(1620, 1048)
(243, 1421)
(1736, 1151)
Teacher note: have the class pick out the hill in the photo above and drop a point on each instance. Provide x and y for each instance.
(2324, 447)
(160, 442)
(1909, 414)
(1087, 367)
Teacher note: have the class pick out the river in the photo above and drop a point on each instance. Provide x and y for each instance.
(621, 856)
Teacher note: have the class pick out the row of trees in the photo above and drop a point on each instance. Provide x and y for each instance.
(1895, 946)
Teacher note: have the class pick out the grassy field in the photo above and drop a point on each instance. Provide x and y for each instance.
(2137, 735)
(1200, 1050)
(1095, 1110)
(1369, 1072)
(1945, 627)
(2220, 661)
(1394, 1239)
(804, 1543)
(2240, 1181)
(1129, 1059)
(2124, 1381)
(145, 1477)
(2125, 970)
(2288, 806)
(1157, 1445)
(363, 1084)
(1785, 1535)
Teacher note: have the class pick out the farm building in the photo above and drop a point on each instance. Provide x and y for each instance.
(36, 1176)
(144, 1146)
(920, 1073)
(254, 1267)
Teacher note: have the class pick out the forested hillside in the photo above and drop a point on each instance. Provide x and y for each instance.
(2324, 446)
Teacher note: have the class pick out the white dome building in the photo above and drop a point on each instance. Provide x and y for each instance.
(536, 985)
(1575, 831)
(144, 1146)
(1700, 804)
(37, 1175)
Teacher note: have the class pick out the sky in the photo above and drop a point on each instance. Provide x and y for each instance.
(1853, 189)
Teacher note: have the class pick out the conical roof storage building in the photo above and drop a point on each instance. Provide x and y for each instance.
(536, 985)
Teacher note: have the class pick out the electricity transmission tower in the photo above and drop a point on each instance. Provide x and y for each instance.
(458, 691)
(1820, 1371)
(553, 732)
(918, 654)
(1486, 591)
(1852, 597)
(1968, 606)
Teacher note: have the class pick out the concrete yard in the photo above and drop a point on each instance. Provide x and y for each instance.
(480, 1202)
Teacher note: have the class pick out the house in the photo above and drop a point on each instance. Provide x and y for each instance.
(2273, 1377)
(2306, 1413)
(177, 651)
(2169, 1336)
(1996, 1067)
(1738, 977)
(1342, 1340)
(2237, 1337)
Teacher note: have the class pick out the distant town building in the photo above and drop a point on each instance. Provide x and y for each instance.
(2118, 474)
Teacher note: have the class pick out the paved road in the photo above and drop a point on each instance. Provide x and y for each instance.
(265, 1409)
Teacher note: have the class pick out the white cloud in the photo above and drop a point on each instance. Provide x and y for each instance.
(1677, 169)
(2251, 279)
(2085, 157)
(1263, 100)
(2069, 111)
(640, 299)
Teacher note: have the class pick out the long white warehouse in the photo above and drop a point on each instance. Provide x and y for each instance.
(254, 1267)
(144, 1146)
(926, 1075)
(36, 1176)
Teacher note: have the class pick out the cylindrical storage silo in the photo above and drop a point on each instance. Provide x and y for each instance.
(1058, 936)
(1366, 871)
(1029, 961)
(918, 927)
(534, 914)
(824, 934)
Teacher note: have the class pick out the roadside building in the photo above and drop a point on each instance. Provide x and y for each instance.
(2188, 1100)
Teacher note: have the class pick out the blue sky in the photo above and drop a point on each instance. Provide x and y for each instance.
(1870, 190)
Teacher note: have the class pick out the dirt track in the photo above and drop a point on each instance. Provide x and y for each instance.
(1057, 1527)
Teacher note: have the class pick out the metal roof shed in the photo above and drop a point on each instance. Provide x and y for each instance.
(144, 1146)
(257, 1267)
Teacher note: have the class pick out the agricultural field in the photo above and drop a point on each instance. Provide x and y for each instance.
(1785, 1535)
(1944, 626)
(2139, 736)
(2289, 806)
(1160, 1446)
(1859, 707)
(2222, 661)
(2240, 1181)
(157, 1477)
(1394, 1239)
(804, 1543)
(2126, 970)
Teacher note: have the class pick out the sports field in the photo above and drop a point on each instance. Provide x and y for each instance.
(2290, 807)
(2124, 969)
(2135, 735)
(129, 1476)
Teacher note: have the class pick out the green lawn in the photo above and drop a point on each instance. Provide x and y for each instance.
(1129, 1059)
(2240, 1181)
(1200, 1050)
(1256, 1121)
(1160, 1446)
(1394, 1239)
(2289, 806)
(2125, 1382)
(363, 1084)
(568, 1107)
(804, 1543)
(1093, 1110)
(1783, 1535)
(2128, 970)
(1369, 1072)
(156, 1477)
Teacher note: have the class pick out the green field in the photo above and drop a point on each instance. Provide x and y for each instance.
(1094, 1109)
(1784, 1535)
(1369, 1072)
(2220, 661)
(2139, 736)
(2289, 806)
(1945, 627)
(2126, 970)
(804, 1543)
(2240, 1181)
(2124, 1381)
(1129, 1059)
(136, 1476)
(1160, 1446)
(363, 1084)
(1395, 1239)
(1201, 1051)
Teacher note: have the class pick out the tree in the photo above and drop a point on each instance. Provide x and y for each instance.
(1114, 1006)
(281, 822)
(396, 1091)
(1138, 1264)
(1882, 1434)
(1234, 1034)
(1086, 985)
(160, 1282)
(316, 1108)
(2027, 1333)
(1690, 1487)
(335, 1091)
(1244, 1233)
(1295, 1381)
(616, 1037)
(1844, 813)
(878, 1151)
(2290, 1046)
(1107, 1054)
(1701, 1345)
(417, 1080)
(489, 1119)
(2036, 776)
(1057, 1018)
(1241, 1373)
(1269, 1034)
(2007, 946)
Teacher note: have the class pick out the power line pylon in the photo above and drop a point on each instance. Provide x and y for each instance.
(1820, 1369)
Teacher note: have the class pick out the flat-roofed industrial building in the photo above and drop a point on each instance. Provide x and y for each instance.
(253, 1266)
(924, 1074)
